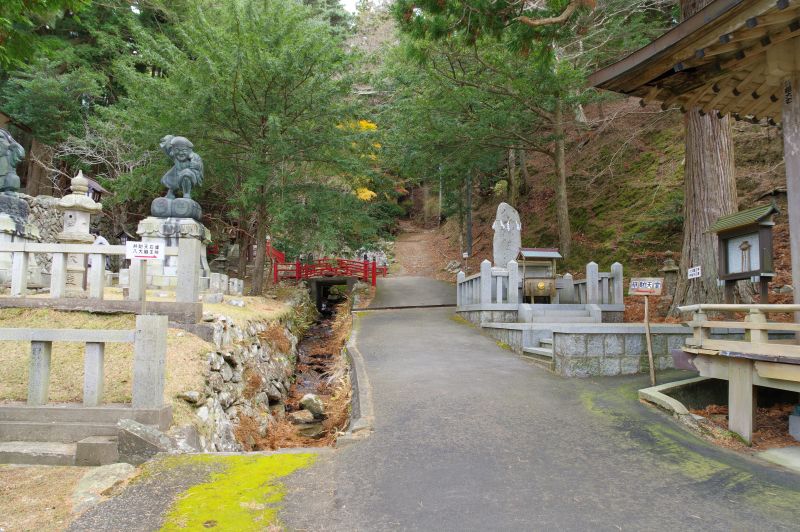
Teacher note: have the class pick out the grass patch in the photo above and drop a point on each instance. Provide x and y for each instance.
(243, 496)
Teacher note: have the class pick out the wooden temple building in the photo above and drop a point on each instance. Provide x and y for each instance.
(739, 58)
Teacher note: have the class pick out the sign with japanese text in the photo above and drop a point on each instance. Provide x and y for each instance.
(646, 286)
(694, 273)
(144, 250)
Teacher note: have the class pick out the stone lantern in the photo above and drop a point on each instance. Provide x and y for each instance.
(78, 209)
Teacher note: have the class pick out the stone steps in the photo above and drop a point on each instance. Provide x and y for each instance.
(60, 432)
(558, 319)
(37, 453)
(541, 356)
(77, 413)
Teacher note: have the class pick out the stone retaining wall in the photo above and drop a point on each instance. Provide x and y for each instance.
(48, 219)
(248, 378)
(619, 350)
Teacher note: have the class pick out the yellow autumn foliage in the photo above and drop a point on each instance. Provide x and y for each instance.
(365, 194)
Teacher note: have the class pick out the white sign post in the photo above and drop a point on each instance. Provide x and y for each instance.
(144, 250)
(647, 286)
(140, 253)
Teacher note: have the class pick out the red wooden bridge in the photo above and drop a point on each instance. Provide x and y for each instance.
(364, 270)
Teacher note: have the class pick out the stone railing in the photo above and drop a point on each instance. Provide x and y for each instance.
(490, 286)
(67, 268)
(598, 288)
(149, 356)
(755, 325)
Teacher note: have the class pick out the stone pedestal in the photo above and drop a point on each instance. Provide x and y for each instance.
(78, 209)
(14, 227)
(169, 232)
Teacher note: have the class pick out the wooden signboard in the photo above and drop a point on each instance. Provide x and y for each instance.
(647, 286)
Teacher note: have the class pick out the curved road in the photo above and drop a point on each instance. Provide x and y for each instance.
(468, 436)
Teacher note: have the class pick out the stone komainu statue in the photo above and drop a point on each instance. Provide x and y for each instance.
(187, 172)
(11, 153)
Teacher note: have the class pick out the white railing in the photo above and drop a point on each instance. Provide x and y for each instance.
(491, 285)
(149, 347)
(68, 259)
(501, 286)
(599, 288)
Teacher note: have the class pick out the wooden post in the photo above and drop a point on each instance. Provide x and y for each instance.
(297, 272)
(740, 397)
(275, 272)
(374, 272)
(649, 340)
(366, 270)
(791, 156)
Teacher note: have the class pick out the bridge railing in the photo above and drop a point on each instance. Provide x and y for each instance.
(328, 267)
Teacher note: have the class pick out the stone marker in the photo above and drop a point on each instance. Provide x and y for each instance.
(507, 235)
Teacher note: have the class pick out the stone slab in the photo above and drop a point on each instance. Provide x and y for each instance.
(177, 312)
(37, 453)
(96, 451)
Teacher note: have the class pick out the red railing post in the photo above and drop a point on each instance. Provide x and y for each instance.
(275, 272)
(374, 272)
(298, 273)
(366, 271)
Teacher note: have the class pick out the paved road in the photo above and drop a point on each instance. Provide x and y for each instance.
(412, 291)
(469, 436)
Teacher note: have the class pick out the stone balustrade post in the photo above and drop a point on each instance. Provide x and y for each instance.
(97, 275)
(187, 290)
(618, 290)
(460, 289)
(137, 280)
(93, 371)
(486, 282)
(592, 284)
(58, 275)
(39, 373)
(149, 359)
(19, 273)
(567, 295)
(513, 282)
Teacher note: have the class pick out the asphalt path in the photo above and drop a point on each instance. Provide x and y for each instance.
(469, 436)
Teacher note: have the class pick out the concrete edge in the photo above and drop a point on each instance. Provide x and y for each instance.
(656, 395)
(362, 412)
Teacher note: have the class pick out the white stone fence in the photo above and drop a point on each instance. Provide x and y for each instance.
(66, 255)
(491, 286)
(598, 288)
(149, 356)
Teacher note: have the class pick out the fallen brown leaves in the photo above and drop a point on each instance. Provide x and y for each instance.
(771, 426)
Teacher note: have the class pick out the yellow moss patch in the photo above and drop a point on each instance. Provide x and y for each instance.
(242, 497)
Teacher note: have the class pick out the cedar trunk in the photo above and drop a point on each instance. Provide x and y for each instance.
(261, 253)
(562, 206)
(710, 192)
